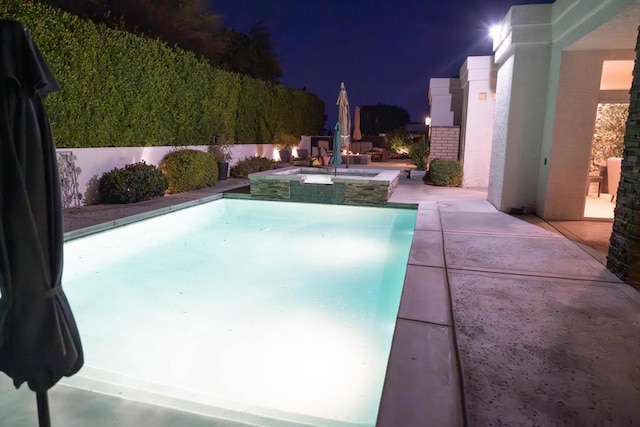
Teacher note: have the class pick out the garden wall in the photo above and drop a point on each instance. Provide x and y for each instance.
(91, 163)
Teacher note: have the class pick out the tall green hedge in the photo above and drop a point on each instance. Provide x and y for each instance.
(119, 89)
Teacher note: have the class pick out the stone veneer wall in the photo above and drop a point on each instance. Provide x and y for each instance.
(445, 142)
(270, 190)
(359, 194)
(366, 194)
(624, 251)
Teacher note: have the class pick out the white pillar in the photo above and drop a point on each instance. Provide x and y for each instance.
(523, 55)
(478, 80)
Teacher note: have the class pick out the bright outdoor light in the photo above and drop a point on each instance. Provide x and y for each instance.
(494, 31)
(427, 121)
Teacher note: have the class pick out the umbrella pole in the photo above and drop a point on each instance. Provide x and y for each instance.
(44, 419)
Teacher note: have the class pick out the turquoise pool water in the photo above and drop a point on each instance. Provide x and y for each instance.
(262, 312)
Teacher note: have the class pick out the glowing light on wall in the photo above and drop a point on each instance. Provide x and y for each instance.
(494, 32)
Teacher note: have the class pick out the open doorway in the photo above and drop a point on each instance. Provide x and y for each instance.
(606, 160)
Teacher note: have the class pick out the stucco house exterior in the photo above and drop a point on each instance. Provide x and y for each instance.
(553, 64)
(550, 61)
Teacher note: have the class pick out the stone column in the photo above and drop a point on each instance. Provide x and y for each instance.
(624, 251)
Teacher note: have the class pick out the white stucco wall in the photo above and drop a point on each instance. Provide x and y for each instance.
(529, 53)
(522, 55)
(445, 101)
(499, 135)
(93, 162)
(578, 95)
(478, 80)
(578, 25)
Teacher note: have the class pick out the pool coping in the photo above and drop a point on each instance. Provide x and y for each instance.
(109, 224)
(422, 382)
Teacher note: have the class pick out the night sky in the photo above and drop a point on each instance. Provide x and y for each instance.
(385, 51)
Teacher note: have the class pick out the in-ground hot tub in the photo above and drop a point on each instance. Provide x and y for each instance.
(316, 185)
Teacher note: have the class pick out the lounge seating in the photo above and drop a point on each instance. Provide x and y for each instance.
(378, 154)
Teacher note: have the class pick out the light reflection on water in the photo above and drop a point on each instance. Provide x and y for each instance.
(278, 309)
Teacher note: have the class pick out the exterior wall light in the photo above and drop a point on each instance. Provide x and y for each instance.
(494, 32)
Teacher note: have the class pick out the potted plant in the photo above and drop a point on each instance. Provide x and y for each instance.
(220, 149)
(285, 143)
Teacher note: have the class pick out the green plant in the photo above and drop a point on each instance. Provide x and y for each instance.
(189, 170)
(446, 173)
(123, 90)
(400, 142)
(133, 183)
(285, 141)
(221, 149)
(250, 165)
(608, 135)
(419, 152)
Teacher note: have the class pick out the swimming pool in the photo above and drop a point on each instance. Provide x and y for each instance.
(262, 312)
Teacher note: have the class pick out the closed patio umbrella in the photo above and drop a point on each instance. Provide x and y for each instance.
(39, 340)
(344, 118)
(336, 157)
(357, 133)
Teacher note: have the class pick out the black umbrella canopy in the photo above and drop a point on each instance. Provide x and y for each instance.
(39, 340)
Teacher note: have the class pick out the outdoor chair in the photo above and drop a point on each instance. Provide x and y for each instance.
(323, 155)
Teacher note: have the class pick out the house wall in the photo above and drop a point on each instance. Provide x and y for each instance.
(522, 56)
(445, 101)
(578, 95)
(445, 142)
(530, 54)
(478, 79)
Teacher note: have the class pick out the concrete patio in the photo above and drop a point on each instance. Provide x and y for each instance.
(503, 321)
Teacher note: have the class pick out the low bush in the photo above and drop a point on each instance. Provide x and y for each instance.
(446, 173)
(133, 183)
(243, 168)
(189, 170)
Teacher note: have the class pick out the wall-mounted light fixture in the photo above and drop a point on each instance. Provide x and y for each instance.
(494, 32)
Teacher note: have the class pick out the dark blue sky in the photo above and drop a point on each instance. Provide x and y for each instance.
(383, 50)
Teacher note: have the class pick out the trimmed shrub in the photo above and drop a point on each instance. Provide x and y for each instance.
(133, 183)
(123, 90)
(189, 170)
(446, 173)
(243, 168)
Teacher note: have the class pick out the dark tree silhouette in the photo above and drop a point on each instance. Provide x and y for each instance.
(189, 25)
(251, 53)
(185, 23)
(380, 118)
